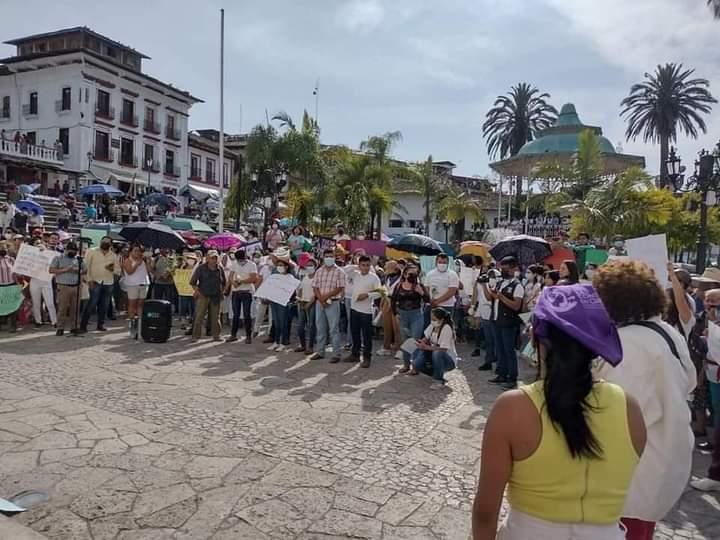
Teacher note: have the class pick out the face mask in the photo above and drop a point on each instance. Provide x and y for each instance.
(619, 244)
(589, 273)
(361, 237)
(528, 276)
(3, 252)
(281, 270)
(436, 324)
(71, 254)
(329, 261)
(442, 267)
(412, 278)
(310, 270)
(274, 227)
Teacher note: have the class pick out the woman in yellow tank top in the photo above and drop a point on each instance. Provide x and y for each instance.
(566, 446)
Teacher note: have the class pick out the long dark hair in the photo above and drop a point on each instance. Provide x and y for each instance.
(573, 272)
(567, 385)
(445, 317)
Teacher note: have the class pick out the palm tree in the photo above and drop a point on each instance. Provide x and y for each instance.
(455, 206)
(715, 6)
(515, 119)
(380, 173)
(667, 100)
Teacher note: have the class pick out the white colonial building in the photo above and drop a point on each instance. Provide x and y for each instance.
(203, 167)
(115, 123)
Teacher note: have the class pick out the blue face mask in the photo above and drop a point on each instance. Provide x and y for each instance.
(329, 261)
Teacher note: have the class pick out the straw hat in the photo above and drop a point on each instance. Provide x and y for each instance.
(212, 253)
(282, 253)
(712, 273)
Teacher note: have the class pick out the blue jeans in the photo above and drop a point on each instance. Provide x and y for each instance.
(348, 326)
(505, 341)
(98, 302)
(306, 327)
(488, 332)
(412, 324)
(714, 389)
(281, 322)
(187, 307)
(327, 322)
(442, 362)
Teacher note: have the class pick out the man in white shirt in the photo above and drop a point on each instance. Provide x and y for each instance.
(306, 308)
(442, 284)
(483, 312)
(243, 275)
(364, 283)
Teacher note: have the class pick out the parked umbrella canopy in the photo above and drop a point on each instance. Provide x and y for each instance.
(472, 247)
(153, 235)
(187, 224)
(223, 241)
(101, 189)
(417, 244)
(526, 249)
(191, 238)
(29, 206)
(160, 199)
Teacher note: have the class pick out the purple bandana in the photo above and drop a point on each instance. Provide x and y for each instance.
(578, 311)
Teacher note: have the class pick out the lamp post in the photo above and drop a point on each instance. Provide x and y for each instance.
(446, 226)
(708, 179)
(148, 164)
(675, 170)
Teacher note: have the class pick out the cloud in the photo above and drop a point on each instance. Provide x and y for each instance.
(361, 15)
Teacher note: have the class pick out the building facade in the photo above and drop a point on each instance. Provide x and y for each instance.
(87, 98)
(204, 175)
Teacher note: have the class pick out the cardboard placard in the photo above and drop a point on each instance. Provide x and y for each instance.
(182, 281)
(278, 288)
(11, 298)
(34, 262)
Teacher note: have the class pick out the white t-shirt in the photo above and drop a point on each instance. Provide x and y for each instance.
(243, 271)
(445, 339)
(438, 283)
(519, 292)
(351, 271)
(305, 291)
(363, 284)
(484, 306)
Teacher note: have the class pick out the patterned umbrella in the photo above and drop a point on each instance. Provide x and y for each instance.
(526, 249)
(223, 241)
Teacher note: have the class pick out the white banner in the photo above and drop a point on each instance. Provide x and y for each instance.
(278, 288)
(652, 250)
(34, 262)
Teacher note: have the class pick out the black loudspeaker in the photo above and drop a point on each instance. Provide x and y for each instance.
(156, 322)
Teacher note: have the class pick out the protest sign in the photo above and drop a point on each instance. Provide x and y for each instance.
(278, 288)
(34, 262)
(596, 256)
(11, 298)
(252, 247)
(323, 243)
(371, 247)
(182, 281)
(652, 250)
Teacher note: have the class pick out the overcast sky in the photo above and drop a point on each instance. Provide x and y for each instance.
(427, 68)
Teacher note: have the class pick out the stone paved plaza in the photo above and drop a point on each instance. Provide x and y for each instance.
(229, 441)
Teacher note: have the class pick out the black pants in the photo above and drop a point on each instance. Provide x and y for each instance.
(163, 291)
(241, 302)
(361, 328)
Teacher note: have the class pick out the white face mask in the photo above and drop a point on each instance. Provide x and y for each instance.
(442, 267)
(281, 270)
(310, 270)
(329, 261)
(436, 324)
(528, 276)
(590, 274)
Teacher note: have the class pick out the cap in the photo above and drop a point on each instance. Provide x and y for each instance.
(212, 253)
(578, 311)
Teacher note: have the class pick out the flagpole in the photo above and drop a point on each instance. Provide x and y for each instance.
(317, 102)
(221, 173)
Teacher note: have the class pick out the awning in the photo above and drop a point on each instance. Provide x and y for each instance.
(200, 192)
(139, 181)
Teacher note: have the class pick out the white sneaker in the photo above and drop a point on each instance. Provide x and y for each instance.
(383, 352)
(437, 386)
(399, 355)
(272, 347)
(706, 484)
(280, 348)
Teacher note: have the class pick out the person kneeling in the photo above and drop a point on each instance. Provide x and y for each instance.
(436, 352)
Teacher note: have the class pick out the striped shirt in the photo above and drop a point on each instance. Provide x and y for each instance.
(6, 274)
(328, 279)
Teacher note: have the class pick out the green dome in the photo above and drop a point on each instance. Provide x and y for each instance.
(562, 137)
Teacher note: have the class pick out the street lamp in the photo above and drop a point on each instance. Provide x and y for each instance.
(675, 170)
(148, 164)
(707, 174)
(446, 226)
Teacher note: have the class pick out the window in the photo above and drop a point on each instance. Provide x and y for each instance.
(33, 103)
(103, 103)
(31, 137)
(150, 124)
(128, 112)
(64, 138)
(5, 111)
(225, 175)
(66, 96)
(169, 162)
(102, 146)
(127, 152)
(170, 131)
(148, 155)
(209, 171)
(396, 223)
(195, 166)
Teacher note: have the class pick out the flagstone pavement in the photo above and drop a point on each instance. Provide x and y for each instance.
(229, 441)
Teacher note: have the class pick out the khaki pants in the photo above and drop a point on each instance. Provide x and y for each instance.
(67, 307)
(391, 328)
(204, 305)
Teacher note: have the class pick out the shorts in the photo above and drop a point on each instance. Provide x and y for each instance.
(137, 292)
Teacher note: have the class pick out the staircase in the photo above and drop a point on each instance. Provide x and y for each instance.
(51, 214)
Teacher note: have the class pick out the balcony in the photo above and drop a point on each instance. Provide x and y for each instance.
(128, 161)
(129, 120)
(62, 108)
(28, 111)
(210, 178)
(154, 167)
(30, 151)
(171, 170)
(172, 133)
(196, 175)
(4, 115)
(105, 113)
(151, 126)
(103, 154)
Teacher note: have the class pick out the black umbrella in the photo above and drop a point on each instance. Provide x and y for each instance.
(526, 249)
(153, 235)
(417, 244)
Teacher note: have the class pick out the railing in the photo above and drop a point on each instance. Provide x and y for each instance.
(129, 120)
(107, 156)
(26, 110)
(60, 106)
(106, 113)
(128, 161)
(196, 175)
(172, 133)
(31, 151)
(172, 171)
(154, 166)
(4, 114)
(151, 126)
(210, 178)
(537, 229)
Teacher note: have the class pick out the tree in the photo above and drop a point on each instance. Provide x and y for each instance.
(423, 178)
(349, 191)
(455, 206)
(380, 173)
(516, 119)
(666, 101)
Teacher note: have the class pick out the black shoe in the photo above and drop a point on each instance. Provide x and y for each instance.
(485, 367)
(59, 332)
(248, 340)
(188, 332)
(335, 360)
(101, 329)
(351, 359)
(38, 325)
(498, 380)
(476, 352)
(365, 363)
(81, 330)
(510, 385)
(230, 339)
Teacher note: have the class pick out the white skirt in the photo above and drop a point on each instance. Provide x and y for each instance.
(519, 526)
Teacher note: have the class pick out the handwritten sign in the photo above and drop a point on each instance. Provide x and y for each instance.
(11, 298)
(34, 262)
(182, 281)
(278, 288)
(468, 276)
(323, 243)
(652, 250)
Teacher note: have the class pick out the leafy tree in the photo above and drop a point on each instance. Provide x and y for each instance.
(455, 206)
(423, 178)
(381, 171)
(668, 101)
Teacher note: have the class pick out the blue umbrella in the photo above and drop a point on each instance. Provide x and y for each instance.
(27, 189)
(29, 206)
(101, 189)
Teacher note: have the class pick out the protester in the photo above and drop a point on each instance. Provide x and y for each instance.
(136, 278)
(7, 277)
(67, 271)
(7, 214)
(328, 286)
(102, 266)
(186, 303)
(340, 235)
(551, 278)
(280, 312)
(569, 273)
(590, 270)
(435, 354)
(162, 272)
(657, 371)
(42, 291)
(365, 287)
(482, 310)
(407, 304)
(274, 237)
(442, 285)
(506, 298)
(533, 285)
(296, 241)
(305, 297)
(681, 309)
(265, 269)
(208, 282)
(566, 446)
(391, 327)
(243, 275)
